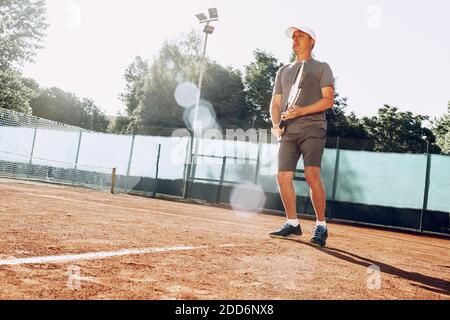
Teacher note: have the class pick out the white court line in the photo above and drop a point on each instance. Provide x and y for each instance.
(101, 255)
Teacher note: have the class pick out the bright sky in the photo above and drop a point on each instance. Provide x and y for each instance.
(382, 52)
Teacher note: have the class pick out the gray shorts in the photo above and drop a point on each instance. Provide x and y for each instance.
(310, 144)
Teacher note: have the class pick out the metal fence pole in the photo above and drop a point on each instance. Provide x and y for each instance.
(258, 163)
(130, 159)
(335, 178)
(193, 168)
(222, 176)
(78, 150)
(32, 152)
(77, 156)
(188, 168)
(157, 171)
(426, 189)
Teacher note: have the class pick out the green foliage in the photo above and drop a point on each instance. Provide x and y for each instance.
(224, 89)
(441, 129)
(92, 117)
(22, 28)
(58, 105)
(14, 94)
(396, 131)
(259, 80)
(119, 125)
(342, 125)
(135, 78)
(157, 105)
(149, 95)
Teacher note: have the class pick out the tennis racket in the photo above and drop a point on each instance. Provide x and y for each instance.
(296, 89)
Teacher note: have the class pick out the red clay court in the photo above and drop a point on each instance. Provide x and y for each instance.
(71, 243)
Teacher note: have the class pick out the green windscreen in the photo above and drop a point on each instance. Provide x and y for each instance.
(385, 179)
(439, 192)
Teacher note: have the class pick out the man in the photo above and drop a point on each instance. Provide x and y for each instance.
(303, 132)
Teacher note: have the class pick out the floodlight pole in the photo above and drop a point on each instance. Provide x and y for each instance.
(200, 83)
(197, 129)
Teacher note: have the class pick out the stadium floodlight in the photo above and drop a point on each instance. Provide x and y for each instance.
(213, 13)
(208, 29)
(213, 16)
(201, 17)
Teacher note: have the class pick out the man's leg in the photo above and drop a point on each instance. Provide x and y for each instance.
(317, 191)
(318, 198)
(287, 192)
(288, 155)
(313, 149)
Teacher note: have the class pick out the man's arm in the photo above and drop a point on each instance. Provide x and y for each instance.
(275, 115)
(323, 104)
(275, 110)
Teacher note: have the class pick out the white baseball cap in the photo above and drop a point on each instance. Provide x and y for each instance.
(290, 31)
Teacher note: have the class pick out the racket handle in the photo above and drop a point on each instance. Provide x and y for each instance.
(282, 124)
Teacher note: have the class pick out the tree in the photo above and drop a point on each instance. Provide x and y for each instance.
(135, 78)
(93, 118)
(178, 62)
(119, 125)
(338, 125)
(22, 29)
(441, 129)
(259, 80)
(22, 26)
(58, 105)
(396, 131)
(224, 89)
(157, 105)
(14, 94)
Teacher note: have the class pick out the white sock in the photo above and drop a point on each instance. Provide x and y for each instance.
(293, 222)
(321, 223)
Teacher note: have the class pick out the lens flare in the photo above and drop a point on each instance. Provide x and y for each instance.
(186, 94)
(206, 117)
(247, 198)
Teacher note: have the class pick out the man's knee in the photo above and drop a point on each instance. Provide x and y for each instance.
(312, 175)
(285, 177)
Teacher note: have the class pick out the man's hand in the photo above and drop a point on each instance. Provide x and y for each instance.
(292, 113)
(277, 132)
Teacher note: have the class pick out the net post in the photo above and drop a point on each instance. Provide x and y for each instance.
(113, 180)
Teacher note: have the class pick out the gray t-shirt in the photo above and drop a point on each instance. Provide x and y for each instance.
(317, 75)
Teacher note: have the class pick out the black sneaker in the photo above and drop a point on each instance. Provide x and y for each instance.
(287, 231)
(320, 236)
